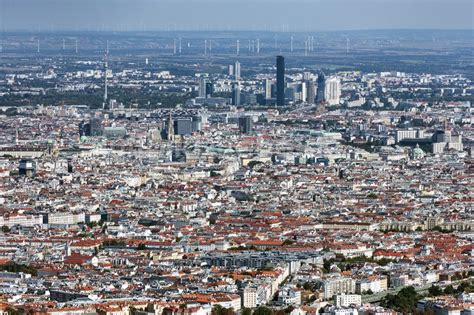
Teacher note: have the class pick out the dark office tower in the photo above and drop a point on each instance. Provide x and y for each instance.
(196, 122)
(84, 129)
(310, 92)
(245, 124)
(209, 89)
(280, 97)
(321, 97)
(183, 126)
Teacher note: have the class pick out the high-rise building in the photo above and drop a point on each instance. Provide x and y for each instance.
(321, 88)
(196, 123)
(183, 126)
(236, 93)
(280, 78)
(245, 124)
(268, 88)
(92, 128)
(332, 92)
(209, 89)
(231, 70)
(310, 92)
(202, 86)
(237, 70)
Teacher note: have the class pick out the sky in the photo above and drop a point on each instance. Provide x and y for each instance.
(278, 15)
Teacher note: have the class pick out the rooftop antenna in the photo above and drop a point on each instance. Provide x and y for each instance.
(291, 43)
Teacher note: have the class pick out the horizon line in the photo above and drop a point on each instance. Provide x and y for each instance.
(3, 31)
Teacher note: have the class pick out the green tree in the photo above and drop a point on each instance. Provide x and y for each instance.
(435, 290)
(404, 301)
(449, 290)
(246, 311)
(253, 163)
(288, 242)
(262, 310)
(307, 286)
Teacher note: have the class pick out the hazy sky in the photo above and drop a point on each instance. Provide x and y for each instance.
(235, 14)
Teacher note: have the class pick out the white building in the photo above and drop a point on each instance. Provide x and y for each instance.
(346, 300)
(340, 285)
(332, 91)
(289, 296)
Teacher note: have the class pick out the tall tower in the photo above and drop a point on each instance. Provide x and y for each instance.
(280, 78)
(105, 81)
(202, 87)
(321, 97)
(311, 91)
(268, 89)
(236, 93)
(170, 132)
(237, 70)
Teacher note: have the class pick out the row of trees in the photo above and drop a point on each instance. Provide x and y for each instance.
(14, 267)
(261, 310)
(406, 299)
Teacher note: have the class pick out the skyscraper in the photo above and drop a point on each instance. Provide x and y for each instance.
(236, 93)
(209, 89)
(280, 76)
(321, 88)
(332, 93)
(237, 70)
(310, 92)
(202, 87)
(245, 124)
(268, 89)
(329, 90)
